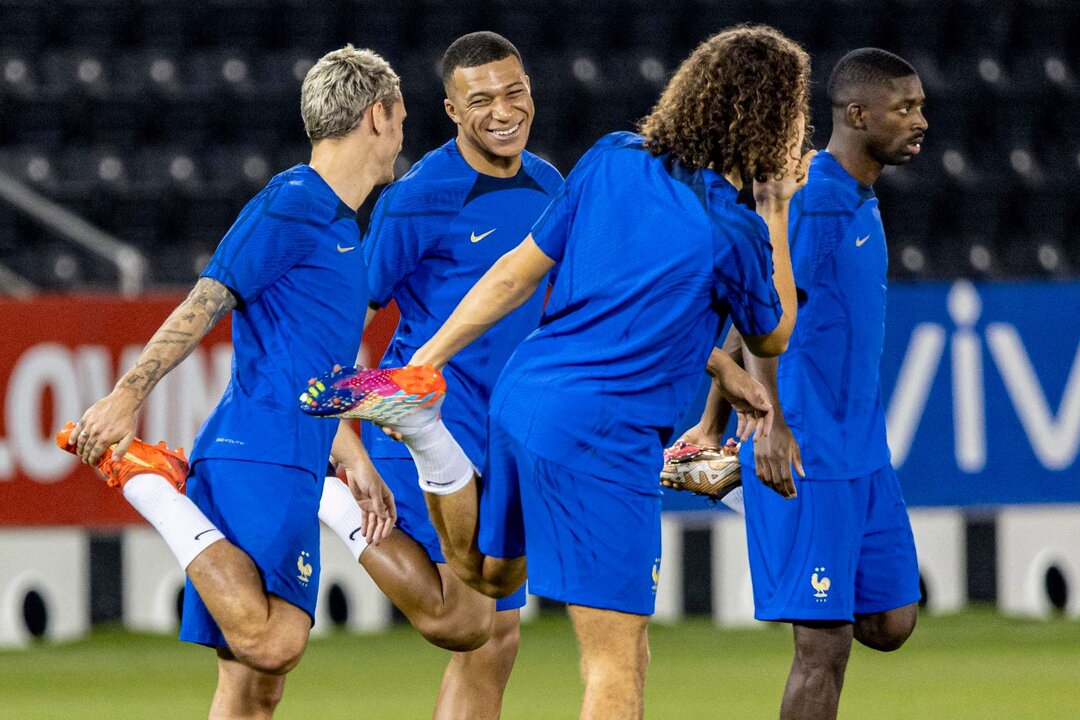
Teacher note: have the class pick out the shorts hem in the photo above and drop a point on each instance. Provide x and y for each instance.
(511, 602)
(292, 601)
(202, 639)
(571, 598)
(891, 605)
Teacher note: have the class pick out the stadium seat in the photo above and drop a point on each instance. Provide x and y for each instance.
(90, 78)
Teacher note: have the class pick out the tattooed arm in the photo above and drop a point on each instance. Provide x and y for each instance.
(112, 419)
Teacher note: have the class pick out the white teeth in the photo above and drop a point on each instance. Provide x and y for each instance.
(508, 131)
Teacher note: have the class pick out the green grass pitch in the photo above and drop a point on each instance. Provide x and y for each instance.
(974, 666)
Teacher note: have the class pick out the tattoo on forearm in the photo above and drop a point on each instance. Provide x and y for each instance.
(208, 302)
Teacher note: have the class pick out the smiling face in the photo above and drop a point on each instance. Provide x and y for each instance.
(493, 108)
(893, 116)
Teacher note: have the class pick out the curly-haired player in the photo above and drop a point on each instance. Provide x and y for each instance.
(651, 252)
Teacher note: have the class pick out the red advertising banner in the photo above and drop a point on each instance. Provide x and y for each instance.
(62, 353)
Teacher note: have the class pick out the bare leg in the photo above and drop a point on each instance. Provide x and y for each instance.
(887, 631)
(446, 611)
(817, 673)
(243, 693)
(614, 659)
(474, 682)
(455, 517)
(263, 631)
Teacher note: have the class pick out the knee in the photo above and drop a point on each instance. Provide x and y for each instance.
(496, 587)
(269, 653)
(455, 634)
(267, 696)
(887, 632)
(504, 643)
(833, 660)
(824, 659)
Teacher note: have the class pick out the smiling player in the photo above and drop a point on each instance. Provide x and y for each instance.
(433, 234)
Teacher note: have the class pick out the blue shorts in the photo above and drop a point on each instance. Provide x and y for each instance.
(841, 548)
(271, 512)
(589, 540)
(414, 521)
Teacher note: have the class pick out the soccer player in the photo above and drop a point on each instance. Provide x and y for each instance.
(652, 252)
(290, 270)
(433, 234)
(836, 561)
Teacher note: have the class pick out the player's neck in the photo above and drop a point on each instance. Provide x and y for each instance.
(485, 163)
(855, 160)
(351, 180)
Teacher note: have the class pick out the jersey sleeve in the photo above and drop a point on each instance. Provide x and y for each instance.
(744, 275)
(271, 235)
(553, 228)
(396, 240)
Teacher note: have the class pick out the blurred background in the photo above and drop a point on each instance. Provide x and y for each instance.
(156, 121)
(132, 132)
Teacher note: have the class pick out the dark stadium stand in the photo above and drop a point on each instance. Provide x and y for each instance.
(157, 120)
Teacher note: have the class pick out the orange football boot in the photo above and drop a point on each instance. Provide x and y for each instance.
(141, 458)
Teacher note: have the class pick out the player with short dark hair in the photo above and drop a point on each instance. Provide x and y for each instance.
(836, 561)
(247, 532)
(432, 235)
(652, 252)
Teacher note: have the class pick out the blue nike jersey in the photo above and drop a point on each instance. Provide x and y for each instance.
(292, 259)
(652, 258)
(432, 235)
(828, 379)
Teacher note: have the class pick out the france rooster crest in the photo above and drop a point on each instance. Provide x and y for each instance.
(821, 584)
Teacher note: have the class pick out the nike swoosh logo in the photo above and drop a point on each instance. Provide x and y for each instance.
(204, 532)
(345, 250)
(859, 242)
(352, 535)
(477, 238)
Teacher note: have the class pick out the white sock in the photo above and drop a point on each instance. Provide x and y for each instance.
(183, 526)
(734, 500)
(442, 466)
(339, 511)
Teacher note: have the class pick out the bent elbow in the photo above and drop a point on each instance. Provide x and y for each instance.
(768, 346)
(773, 347)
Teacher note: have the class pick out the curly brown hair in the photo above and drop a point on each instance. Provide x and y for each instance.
(733, 102)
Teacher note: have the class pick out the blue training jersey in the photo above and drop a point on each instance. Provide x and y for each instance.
(292, 259)
(652, 258)
(433, 234)
(828, 379)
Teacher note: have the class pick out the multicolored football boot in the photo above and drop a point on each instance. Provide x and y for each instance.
(385, 396)
(709, 471)
(141, 458)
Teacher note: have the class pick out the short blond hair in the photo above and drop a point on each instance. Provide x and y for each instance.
(340, 87)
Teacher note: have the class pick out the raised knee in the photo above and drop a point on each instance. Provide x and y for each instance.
(889, 633)
(456, 636)
(886, 640)
(269, 654)
(494, 587)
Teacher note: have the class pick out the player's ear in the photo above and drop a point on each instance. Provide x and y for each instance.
(451, 110)
(528, 83)
(856, 116)
(380, 117)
